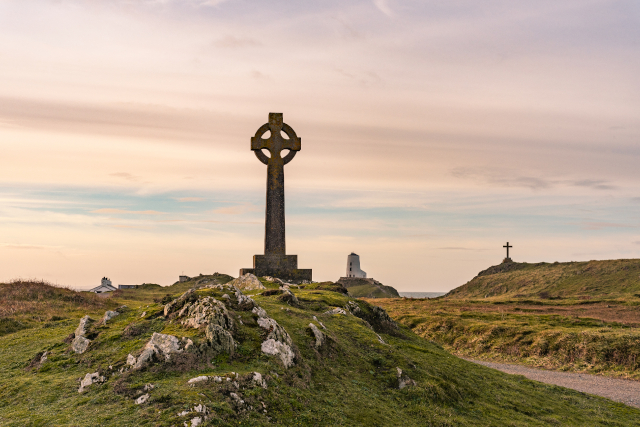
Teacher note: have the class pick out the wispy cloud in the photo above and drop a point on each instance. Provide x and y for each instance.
(126, 212)
(23, 246)
(510, 178)
(601, 225)
(233, 42)
(189, 199)
(126, 175)
(383, 6)
(236, 210)
(595, 184)
(500, 177)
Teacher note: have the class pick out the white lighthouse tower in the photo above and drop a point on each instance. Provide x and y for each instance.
(353, 267)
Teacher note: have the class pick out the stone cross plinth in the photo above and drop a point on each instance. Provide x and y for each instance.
(275, 262)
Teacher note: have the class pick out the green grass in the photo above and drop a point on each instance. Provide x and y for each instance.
(349, 381)
(554, 338)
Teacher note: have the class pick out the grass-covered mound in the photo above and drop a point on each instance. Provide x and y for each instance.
(574, 280)
(349, 374)
(601, 338)
(32, 303)
(367, 288)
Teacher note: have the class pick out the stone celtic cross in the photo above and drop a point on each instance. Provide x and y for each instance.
(274, 239)
(275, 262)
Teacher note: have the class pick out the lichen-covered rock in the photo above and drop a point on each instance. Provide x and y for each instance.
(160, 346)
(288, 297)
(179, 302)
(354, 308)
(220, 340)
(80, 344)
(404, 380)
(317, 333)
(199, 379)
(375, 317)
(276, 331)
(207, 311)
(280, 350)
(244, 302)
(258, 381)
(259, 311)
(278, 342)
(131, 360)
(247, 282)
(108, 315)
(90, 379)
(321, 324)
(142, 399)
(83, 327)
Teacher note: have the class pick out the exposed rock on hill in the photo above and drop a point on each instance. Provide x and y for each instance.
(248, 282)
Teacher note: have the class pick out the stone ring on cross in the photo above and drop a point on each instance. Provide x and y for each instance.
(276, 141)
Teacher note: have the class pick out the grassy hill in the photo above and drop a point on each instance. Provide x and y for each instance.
(364, 371)
(368, 288)
(575, 280)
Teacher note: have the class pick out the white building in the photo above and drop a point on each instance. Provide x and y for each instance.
(105, 286)
(353, 267)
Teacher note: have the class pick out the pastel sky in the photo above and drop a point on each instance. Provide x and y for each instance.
(432, 133)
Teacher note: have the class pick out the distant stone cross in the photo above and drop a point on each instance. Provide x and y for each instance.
(507, 246)
(282, 137)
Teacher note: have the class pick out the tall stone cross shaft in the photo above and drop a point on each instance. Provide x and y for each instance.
(274, 238)
(275, 262)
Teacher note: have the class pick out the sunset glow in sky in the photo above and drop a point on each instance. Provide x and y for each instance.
(432, 133)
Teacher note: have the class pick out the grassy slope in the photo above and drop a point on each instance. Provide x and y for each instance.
(350, 382)
(364, 289)
(576, 280)
(545, 336)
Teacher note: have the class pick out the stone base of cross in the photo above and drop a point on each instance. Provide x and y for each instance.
(275, 262)
(283, 267)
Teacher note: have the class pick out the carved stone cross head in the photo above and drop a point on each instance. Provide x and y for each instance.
(282, 137)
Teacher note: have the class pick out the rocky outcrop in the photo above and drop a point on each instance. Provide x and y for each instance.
(245, 303)
(80, 343)
(90, 379)
(278, 342)
(160, 347)
(209, 314)
(179, 302)
(247, 282)
(375, 316)
(205, 311)
(220, 340)
(317, 333)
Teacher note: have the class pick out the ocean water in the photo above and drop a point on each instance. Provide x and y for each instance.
(421, 294)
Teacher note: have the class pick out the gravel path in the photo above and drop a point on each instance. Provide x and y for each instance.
(625, 391)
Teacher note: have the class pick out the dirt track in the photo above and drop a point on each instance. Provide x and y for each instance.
(625, 391)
